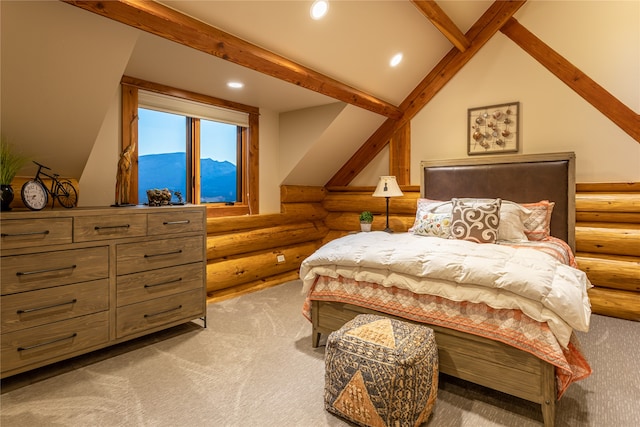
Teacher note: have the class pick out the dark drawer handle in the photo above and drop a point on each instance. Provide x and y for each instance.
(31, 347)
(179, 251)
(164, 283)
(26, 273)
(106, 227)
(31, 310)
(30, 233)
(163, 312)
(186, 221)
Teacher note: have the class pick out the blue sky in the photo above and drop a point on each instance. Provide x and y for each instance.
(165, 133)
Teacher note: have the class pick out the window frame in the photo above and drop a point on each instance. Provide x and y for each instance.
(248, 164)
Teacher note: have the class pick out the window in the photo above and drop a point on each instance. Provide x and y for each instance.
(202, 147)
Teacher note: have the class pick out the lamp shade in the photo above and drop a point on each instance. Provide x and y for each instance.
(387, 187)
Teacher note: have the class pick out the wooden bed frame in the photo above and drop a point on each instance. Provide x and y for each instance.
(524, 178)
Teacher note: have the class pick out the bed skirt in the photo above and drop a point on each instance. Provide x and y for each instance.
(511, 327)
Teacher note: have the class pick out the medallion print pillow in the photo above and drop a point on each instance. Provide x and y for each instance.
(478, 223)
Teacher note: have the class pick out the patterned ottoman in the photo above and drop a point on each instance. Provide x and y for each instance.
(381, 372)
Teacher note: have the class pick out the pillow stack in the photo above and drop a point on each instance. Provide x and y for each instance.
(483, 220)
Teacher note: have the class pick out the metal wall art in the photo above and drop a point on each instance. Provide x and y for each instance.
(493, 129)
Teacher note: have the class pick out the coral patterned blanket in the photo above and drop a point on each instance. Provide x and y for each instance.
(515, 277)
(505, 325)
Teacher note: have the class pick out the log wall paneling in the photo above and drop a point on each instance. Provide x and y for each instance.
(243, 251)
(608, 246)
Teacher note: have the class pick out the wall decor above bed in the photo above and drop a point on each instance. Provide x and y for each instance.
(493, 129)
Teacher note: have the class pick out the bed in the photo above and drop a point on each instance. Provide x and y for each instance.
(484, 336)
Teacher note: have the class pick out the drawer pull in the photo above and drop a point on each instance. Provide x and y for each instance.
(186, 221)
(27, 273)
(105, 227)
(179, 251)
(164, 283)
(42, 344)
(31, 233)
(163, 312)
(31, 310)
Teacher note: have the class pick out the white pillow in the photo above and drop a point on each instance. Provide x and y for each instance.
(512, 217)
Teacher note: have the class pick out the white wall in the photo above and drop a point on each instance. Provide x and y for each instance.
(269, 162)
(601, 38)
(98, 180)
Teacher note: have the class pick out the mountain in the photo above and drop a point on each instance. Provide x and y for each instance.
(218, 179)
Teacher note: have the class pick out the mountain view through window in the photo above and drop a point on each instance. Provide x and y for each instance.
(163, 139)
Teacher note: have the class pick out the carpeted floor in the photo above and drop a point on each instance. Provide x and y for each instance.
(254, 366)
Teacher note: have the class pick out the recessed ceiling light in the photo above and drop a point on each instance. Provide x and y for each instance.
(397, 58)
(319, 8)
(235, 85)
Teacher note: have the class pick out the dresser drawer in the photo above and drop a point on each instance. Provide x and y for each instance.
(38, 344)
(21, 273)
(159, 311)
(22, 233)
(136, 257)
(137, 287)
(105, 227)
(167, 222)
(35, 308)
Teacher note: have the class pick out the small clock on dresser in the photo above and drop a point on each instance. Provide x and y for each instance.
(34, 195)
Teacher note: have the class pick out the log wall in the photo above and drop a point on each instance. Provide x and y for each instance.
(608, 246)
(243, 251)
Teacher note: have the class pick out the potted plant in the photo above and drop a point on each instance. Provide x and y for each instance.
(366, 218)
(10, 163)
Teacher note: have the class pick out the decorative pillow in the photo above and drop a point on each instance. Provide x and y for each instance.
(477, 224)
(512, 217)
(426, 206)
(537, 225)
(433, 224)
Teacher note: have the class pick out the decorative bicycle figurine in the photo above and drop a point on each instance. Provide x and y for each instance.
(35, 193)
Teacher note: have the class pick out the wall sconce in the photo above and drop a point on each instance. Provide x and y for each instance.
(387, 187)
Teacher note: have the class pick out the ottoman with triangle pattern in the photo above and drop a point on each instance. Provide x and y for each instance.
(381, 372)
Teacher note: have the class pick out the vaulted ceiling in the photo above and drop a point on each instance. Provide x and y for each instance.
(286, 60)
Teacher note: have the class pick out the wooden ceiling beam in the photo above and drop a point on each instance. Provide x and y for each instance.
(443, 23)
(582, 84)
(479, 34)
(165, 22)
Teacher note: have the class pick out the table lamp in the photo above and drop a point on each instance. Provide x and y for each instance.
(387, 187)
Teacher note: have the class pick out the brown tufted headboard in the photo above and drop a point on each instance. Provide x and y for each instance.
(520, 178)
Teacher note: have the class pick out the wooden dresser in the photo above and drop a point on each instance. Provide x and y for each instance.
(76, 280)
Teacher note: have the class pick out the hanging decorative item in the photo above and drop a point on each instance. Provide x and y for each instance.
(493, 129)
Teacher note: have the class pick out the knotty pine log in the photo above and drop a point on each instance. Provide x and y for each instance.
(248, 222)
(350, 221)
(301, 194)
(615, 303)
(309, 211)
(607, 202)
(610, 239)
(611, 271)
(244, 268)
(364, 201)
(223, 245)
(610, 217)
(253, 286)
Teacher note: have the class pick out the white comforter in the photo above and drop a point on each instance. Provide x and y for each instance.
(497, 275)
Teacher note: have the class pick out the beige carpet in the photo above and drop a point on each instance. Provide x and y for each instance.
(254, 366)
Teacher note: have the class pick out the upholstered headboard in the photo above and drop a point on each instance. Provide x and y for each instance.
(521, 178)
